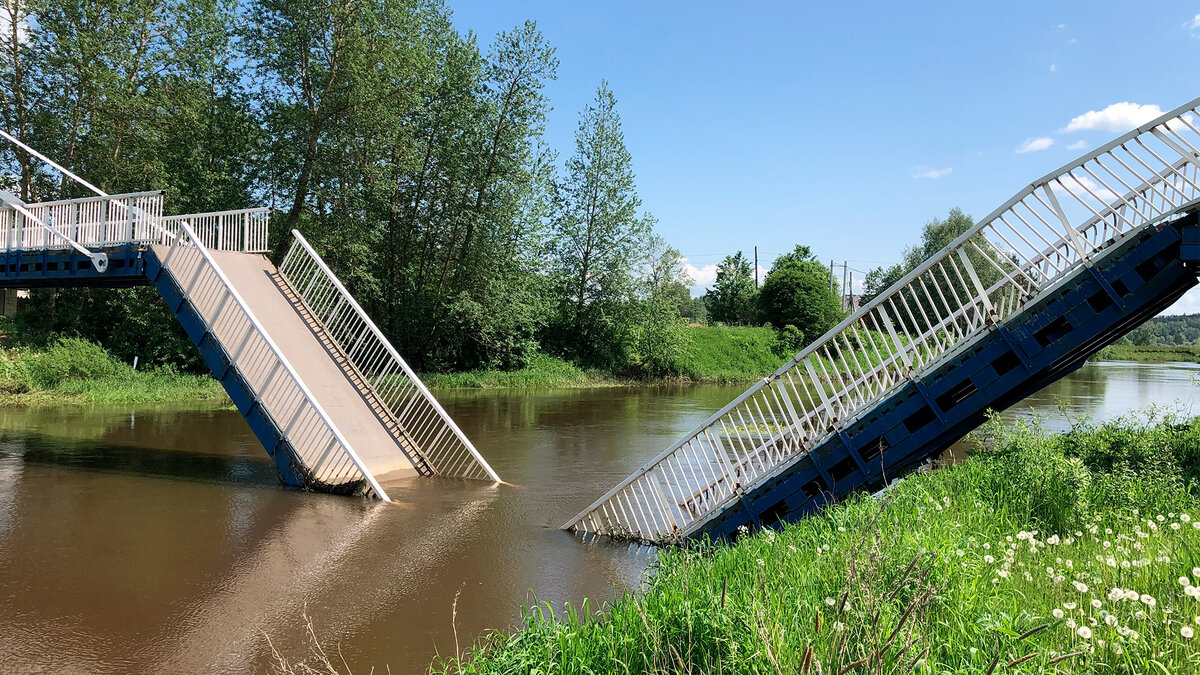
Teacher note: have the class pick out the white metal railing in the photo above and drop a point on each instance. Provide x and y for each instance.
(242, 230)
(95, 222)
(1022, 250)
(415, 411)
(326, 456)
(114, 220)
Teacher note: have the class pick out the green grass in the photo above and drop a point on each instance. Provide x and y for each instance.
(1046, 553)
(1157, 354)
(543, 371)
(72, 371)
(728, 354)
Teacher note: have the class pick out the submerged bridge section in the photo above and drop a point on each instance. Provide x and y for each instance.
(1068, 265)
(329, 397)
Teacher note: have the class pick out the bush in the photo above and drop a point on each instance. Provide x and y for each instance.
(72, 358)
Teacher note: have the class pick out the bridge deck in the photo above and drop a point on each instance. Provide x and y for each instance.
(255, 279)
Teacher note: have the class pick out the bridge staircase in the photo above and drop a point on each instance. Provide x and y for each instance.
(327, 395)
(1068, 265)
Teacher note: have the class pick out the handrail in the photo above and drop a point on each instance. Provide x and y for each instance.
(283, 361)
(945, 303)
(99, 198)
(373, 360)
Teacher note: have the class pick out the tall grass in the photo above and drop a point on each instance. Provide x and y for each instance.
(1149, 354)
(75, 371)
(1075, 552)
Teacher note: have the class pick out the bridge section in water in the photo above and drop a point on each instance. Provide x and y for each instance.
(1068, 265)
(329, 397)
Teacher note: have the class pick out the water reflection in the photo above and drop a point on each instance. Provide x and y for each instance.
(161, 540)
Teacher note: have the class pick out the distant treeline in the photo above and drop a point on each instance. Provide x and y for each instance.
(1165, 331)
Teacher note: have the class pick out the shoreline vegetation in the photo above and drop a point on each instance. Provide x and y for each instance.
(74, 371)
(1075, 552)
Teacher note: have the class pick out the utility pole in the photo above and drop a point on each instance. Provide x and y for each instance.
(832, 279)
(845, 302)
(756, 268)
(850, 294)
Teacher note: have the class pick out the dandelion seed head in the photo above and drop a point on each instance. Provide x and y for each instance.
(1187, 632)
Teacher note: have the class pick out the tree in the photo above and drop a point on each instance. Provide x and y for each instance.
(660, 335)
(731, 300)
(599, 237)
(798, 292)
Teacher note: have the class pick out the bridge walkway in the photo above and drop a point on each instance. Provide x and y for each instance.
(259, 283)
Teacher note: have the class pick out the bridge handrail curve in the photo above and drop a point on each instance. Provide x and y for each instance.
(192, 241)
(657, 510)
(415, 410)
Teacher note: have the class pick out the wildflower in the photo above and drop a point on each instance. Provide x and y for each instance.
(1071, 623)
(760, 562)
(824, 547)
(986, 546)
(1003, 574)
(841, 529)
(960, 553)
(1096, 603)
(988, 559)
(1082, 588)
(1070, 605)
(1117, 649)
(1184, 581)
(1196, 572)
(1187, 632)
(1085, 632)
(1159, 518)
(830, 601)
(838, 625)
(1058, 613)
(1174, 526)
(1115, 595)
(1185, 517)
(1148, 600)
(1110, 620)
(1052, 539)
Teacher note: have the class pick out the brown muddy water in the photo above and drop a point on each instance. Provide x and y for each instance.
(161, 541)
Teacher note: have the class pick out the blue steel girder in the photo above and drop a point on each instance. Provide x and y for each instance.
(1046, 341)
(61, 268)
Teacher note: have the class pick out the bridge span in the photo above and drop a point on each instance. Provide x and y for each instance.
(1066, 266)
(327, 395)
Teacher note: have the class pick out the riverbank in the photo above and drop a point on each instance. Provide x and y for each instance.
(1155, 354)
(77, 372)
(713, 355)
(1073, 552)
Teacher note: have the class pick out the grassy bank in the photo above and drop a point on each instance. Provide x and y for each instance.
(714, 355)
(72, 371)
(1158, 354)
(1047, 553)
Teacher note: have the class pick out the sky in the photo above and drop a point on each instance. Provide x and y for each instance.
(847, 126)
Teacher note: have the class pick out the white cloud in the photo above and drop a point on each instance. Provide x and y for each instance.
(701, 276)
(1034, 145)
(1053, 67)
(1083, 188)
(1117, 117)
(1188, 304)
(1062, 26)
(932, 173)
(1193, 24)
(1078, 145)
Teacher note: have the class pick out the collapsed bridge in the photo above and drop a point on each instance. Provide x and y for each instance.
(1065, 267)
(327, 395)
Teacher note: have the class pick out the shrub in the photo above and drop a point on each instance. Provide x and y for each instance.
(72, 358)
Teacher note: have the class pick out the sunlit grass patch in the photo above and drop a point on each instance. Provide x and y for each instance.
(1077, 552)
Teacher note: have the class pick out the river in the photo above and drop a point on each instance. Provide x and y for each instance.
(160, 540)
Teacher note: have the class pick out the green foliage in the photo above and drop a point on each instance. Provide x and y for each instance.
(951, 571)
(71, 358)
(732, 299)
(599, 237)
(1183, 329)
(729, 354)
(1124, 352)
(76, 371)
(660, 334)
(799, 293)
(541, 371)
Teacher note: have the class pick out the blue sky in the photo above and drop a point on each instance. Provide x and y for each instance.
(847, 126)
